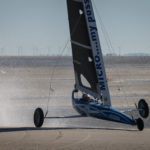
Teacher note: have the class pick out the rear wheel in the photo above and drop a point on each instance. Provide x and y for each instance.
(140, 124)
(38, 117)
(143, 108)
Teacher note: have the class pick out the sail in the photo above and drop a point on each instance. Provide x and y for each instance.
(85, 74)
(90, 75)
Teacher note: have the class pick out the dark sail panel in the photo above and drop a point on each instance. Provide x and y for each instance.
(81, 48)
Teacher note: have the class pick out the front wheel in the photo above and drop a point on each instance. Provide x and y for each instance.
(143, 108)
(140, 124)
(38, 117)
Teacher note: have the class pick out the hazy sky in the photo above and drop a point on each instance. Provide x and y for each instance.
(39, 27)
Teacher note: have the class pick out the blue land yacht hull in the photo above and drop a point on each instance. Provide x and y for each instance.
(96, 109)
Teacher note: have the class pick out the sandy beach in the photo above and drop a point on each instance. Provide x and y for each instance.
(74, 139)
(24, 85)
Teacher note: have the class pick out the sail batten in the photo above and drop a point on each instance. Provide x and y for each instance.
(81, 45)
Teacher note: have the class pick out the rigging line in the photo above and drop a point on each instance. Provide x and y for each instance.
(106, 37)
(105, 34)
(56, 64)
(51, 77)
(52, 74)
(109, 44)
(104, 31)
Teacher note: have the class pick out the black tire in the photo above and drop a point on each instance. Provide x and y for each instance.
(38, 117)
(140, 124)
(143, 108)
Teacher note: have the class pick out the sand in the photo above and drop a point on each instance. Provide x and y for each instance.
(76, 139)
(24, 85)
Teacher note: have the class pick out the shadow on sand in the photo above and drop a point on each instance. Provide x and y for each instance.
(19, 129)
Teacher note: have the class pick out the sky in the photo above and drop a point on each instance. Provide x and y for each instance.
(40, 27)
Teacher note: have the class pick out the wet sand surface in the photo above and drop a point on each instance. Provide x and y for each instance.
(24, 86)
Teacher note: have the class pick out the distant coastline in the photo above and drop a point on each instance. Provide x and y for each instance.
(37, 61)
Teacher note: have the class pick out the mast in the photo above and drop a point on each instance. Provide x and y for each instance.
(87, 55)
